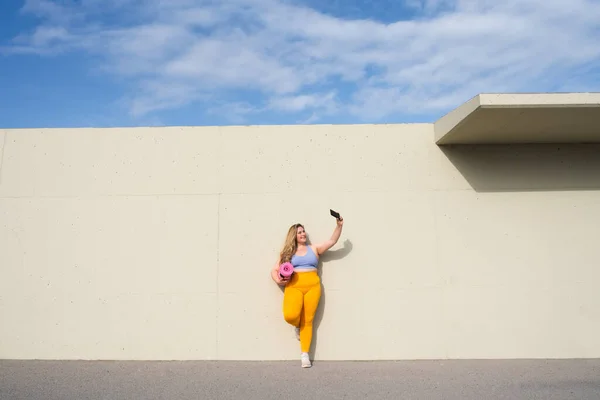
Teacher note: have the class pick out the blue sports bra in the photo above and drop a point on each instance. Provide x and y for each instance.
(307, 262)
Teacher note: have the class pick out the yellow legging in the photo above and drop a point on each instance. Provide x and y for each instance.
(300, 302)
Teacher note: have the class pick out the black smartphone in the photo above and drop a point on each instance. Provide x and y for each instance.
(334, 214)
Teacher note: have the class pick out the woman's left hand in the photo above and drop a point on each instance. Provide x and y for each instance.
(340, 221)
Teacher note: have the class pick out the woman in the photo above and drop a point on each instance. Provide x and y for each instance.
(303, 288)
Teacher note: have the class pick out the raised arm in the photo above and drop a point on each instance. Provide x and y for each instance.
(323, 247)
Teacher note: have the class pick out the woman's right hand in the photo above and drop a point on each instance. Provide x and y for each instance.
(281, 281)
(277, 278)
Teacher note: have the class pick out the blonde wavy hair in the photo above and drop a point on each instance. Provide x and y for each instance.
(291, 244)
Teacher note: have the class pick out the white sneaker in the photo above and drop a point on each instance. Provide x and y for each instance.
(297, 332)
(305, 360)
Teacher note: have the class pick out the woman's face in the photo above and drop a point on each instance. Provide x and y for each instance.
(300, 235)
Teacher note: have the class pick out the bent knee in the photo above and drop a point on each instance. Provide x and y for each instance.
(291, 317)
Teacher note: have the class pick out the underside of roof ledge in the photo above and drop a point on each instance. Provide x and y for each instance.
(522, 118)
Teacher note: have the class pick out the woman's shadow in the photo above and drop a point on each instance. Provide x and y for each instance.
(330, 255)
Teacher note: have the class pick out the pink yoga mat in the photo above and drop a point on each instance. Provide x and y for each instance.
(286, 270)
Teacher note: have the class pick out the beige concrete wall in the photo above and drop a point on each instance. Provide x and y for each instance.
(156, 243)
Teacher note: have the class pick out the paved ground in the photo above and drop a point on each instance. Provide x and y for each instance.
(464, 380)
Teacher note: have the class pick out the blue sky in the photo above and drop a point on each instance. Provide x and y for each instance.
(69, 63)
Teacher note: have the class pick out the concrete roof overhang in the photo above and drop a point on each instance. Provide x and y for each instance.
(522, 118)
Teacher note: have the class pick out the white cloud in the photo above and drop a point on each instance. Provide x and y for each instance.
(182, 51)
(232, 62)
(304, 101)
(48, 10)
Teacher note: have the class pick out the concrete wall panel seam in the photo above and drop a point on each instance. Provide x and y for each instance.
(219, 168)
(107, 196)
(217, 302)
